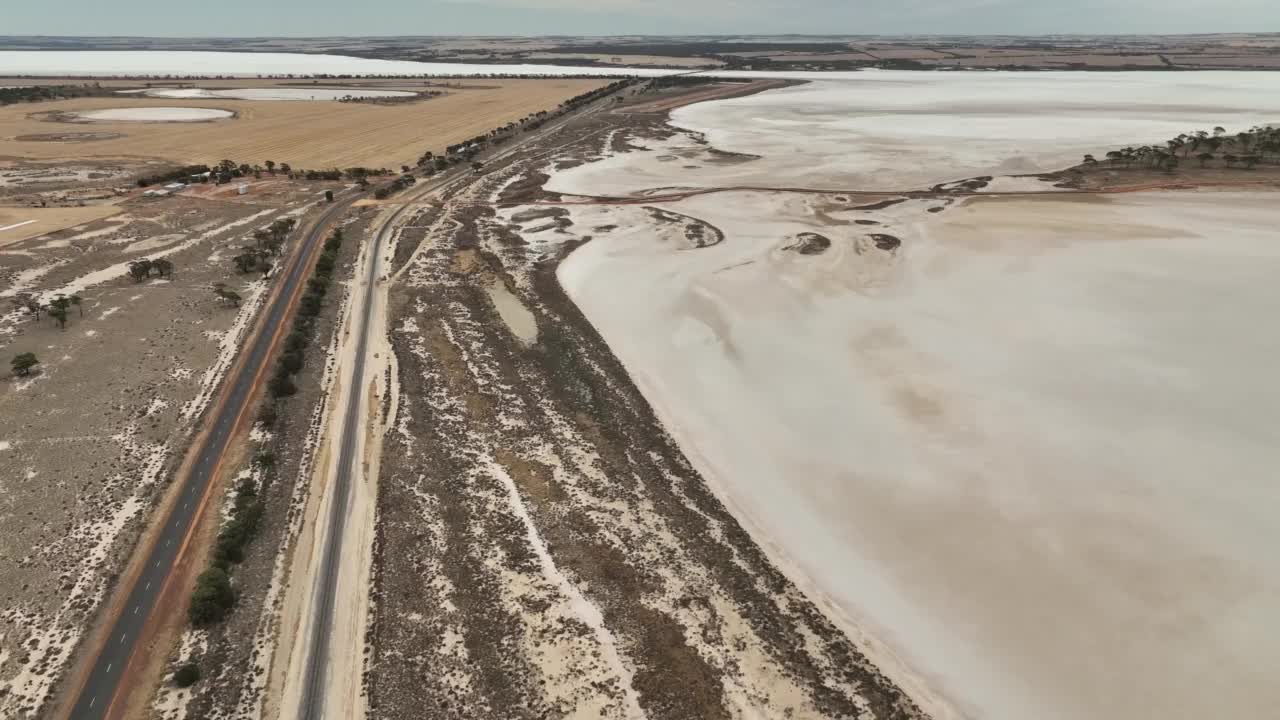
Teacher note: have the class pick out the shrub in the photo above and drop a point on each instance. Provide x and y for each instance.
(282, 386)
(310, 306)
(187, 675)
(212, 598)
(296, 341)
(268, 416)
(291, 362)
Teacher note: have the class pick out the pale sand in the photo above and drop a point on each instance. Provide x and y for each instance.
(1033, 453)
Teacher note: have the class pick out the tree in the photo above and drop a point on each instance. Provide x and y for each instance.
(187, 675)
(271, 166)
(79, 301)
(328, 196)
(1204, 158)
(223, 293)
(140, 270)
(60, 315)
(245, 262)
(1090, 160)
(23, 363)
(212, 598)
(282, 386)
(287, 169)
(291, 362)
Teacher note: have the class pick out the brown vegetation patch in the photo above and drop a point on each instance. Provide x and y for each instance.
(886, 242)
(74, 137)
(809, 244)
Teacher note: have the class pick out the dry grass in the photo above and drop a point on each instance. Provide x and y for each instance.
(47, 220)
(304, 134)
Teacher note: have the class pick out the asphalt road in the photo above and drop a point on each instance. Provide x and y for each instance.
(103, 684)
(311, 703)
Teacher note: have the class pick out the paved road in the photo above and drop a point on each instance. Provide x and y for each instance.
(324, 591)
(95, 699)
(312, 701)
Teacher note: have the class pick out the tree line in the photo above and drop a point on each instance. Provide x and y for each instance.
(467, 150)
(214, 596)
(1243, 149)
(58, 309)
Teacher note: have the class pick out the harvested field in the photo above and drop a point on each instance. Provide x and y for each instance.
(304, 134)
(18, 224)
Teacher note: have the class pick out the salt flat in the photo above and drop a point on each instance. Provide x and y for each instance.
(101, 63)
(153, 114)
(883, 129)
(1030, 453)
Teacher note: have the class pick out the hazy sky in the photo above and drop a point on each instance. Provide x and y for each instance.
(673, 17)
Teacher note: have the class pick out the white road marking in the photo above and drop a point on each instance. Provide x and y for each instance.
(108, 670)
(93, 700)
(122, 638)
(136, 608)
(148, 587)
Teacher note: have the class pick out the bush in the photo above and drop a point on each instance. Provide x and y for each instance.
(326, 263)
(237, 533)
(291, 362)
(282, 386)
(268, 416)
(212, 598)
(187, 675)
(310, 306)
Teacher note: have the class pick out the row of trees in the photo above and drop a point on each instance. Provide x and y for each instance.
(292, 359)
(42, 93)
(468, 149)
(1245, 149)
(215, 597)
(267, 244)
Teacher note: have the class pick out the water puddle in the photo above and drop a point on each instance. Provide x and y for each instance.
(517, 317)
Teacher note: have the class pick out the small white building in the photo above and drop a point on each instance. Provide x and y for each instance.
(175, 187)
(242, 190)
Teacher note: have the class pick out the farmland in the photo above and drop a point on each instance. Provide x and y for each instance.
(304, 134)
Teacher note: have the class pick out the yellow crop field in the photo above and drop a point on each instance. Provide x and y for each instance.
(305, 134)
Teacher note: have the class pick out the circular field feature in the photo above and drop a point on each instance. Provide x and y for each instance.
(150, 115)
(275, 93)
